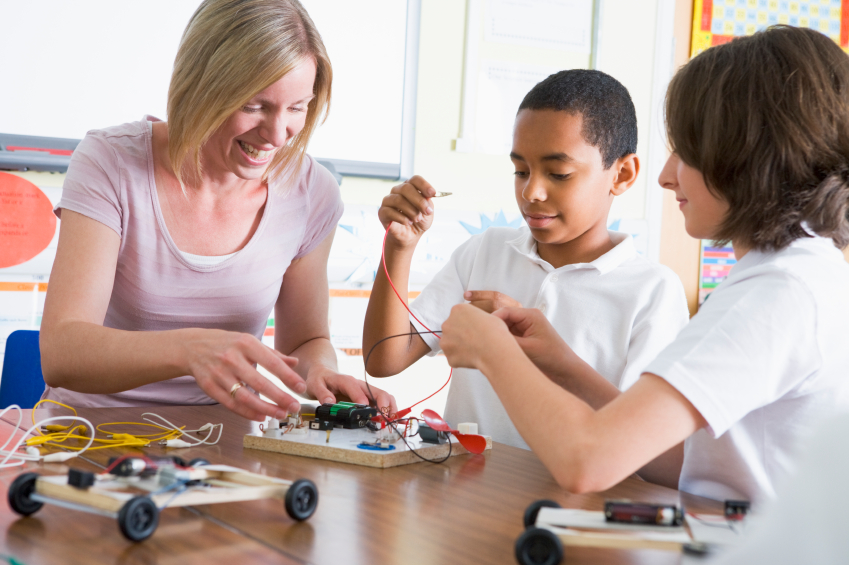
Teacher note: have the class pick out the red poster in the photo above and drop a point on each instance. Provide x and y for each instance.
(27, 222)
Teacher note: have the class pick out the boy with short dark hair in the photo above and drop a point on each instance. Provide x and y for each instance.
(574, 148)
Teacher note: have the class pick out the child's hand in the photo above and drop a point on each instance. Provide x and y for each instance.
(537, 338)
(489, 300)
(410, 209)
(469, 335)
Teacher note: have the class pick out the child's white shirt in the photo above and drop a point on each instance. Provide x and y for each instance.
(617, 312)
(764, 360)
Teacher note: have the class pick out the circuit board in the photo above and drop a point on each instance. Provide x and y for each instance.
(719, 21)
(342, 445)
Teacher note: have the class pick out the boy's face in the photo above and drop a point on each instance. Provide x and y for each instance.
(562, 187)
(703, 210)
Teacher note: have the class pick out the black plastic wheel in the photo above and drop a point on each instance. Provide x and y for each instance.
(178, 461)
(531, 512)
(538, 546)
(198, 461)
(301, 499)
(19, 494)
(138, 518)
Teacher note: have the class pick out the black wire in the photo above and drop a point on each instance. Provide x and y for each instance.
(726, 525)
(374, 401)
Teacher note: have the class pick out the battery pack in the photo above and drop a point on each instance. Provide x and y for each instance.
(625, 511)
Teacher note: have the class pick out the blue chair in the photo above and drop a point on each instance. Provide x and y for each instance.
(22, 382)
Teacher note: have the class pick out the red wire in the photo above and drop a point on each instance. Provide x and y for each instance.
(383, 260)
(386, 272)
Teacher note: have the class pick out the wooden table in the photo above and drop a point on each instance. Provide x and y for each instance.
(467, 510)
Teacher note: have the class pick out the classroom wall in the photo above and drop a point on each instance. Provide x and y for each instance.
(485, 182)
(678, 250)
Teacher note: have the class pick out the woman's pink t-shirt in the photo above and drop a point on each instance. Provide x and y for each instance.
(110, 179)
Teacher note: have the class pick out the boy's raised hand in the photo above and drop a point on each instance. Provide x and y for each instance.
(410, 209)
(490, 300)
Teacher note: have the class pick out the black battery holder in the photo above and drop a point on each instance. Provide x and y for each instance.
(80, 479)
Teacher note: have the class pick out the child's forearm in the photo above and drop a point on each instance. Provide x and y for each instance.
(585, 450)
(387, 316)
(582, 380)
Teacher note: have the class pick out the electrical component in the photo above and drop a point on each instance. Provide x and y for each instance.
(376, 446)
(388, 435)
(60, 457)
(629, 512)
(346, 415)
(375, 426)
(177, 443)
(429, 435)
(171, 475)
(321, 425)
(80, 479)
(736, 509)
(272, 428)
(469, 428)
(127, 466)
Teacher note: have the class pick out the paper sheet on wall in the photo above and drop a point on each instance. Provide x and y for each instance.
(501, 88)
(564, 25)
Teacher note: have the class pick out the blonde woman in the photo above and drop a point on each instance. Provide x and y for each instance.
(179, 238)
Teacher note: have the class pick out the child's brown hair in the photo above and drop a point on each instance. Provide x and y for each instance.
(766, 120)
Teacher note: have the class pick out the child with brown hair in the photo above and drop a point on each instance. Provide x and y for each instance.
(759, 129)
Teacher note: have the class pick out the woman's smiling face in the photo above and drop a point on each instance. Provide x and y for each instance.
(247, 141)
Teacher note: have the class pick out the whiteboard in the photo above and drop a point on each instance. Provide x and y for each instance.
(70, 67)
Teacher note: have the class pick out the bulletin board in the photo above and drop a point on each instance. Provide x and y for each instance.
(719, 21)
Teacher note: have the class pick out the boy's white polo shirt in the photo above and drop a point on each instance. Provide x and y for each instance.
(617, 312)
(764, 360)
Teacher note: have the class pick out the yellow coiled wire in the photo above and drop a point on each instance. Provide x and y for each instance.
(57, 434)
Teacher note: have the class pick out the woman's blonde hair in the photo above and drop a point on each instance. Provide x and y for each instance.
(230, 51)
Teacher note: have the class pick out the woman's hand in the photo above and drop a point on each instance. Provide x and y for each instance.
(219, 360)
(489, 300)
(537, 338)
(327, 386)
(469, 335)
(410, 209)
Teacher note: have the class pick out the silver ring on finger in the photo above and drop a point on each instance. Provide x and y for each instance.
(235, 388)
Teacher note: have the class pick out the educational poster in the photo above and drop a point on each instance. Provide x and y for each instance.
(719, 21)
(27, 222)
(28, 238)
(714, 265)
